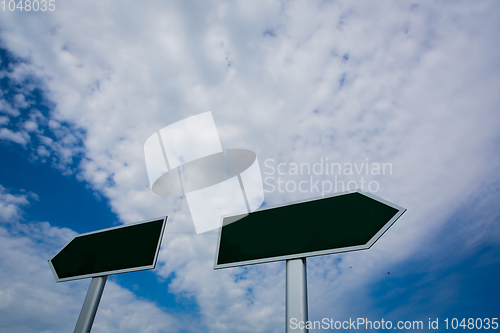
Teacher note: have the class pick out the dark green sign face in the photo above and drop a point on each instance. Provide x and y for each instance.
(126, 248)
(339, 223)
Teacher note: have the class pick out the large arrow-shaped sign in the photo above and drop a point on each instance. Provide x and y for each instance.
(339, 223)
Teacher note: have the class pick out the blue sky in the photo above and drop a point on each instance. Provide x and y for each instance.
(410, 84)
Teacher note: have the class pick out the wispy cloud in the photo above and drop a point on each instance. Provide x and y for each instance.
(44, 138)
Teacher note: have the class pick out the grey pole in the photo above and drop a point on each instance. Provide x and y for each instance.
(296, 295)
(89, 308)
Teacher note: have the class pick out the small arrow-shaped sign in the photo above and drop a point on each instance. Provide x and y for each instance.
(126, 248)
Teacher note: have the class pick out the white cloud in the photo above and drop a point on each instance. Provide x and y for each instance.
(42, 151)
(254, 296)
(30, 126)
(20, 101)
(10, 205)
(8, 109)
(17, 137)
(121, 311)
(4, 120)
(412, 85)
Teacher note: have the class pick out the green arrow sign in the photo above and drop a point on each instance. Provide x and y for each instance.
(339, 223)
(127, 248)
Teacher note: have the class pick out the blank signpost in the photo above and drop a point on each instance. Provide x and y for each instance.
(126, 248)
(292, 232)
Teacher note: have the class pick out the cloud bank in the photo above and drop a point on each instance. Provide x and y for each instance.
(411, 84)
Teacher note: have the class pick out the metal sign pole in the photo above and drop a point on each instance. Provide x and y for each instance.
(296, 296)
(90, 305)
